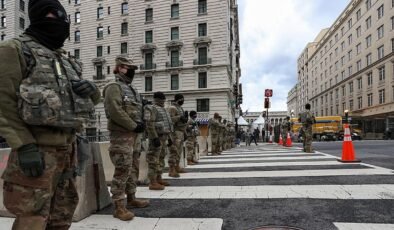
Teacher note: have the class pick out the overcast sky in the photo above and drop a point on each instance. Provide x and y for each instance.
(273, 34)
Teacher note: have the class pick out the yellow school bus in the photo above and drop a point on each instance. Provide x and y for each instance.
(326, 127)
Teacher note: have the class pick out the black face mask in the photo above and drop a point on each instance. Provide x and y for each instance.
(180, 102)
(130, 74)
(50, 32)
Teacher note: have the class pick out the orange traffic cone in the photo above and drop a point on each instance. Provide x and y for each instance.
(280, 140)
(288, 140)
(348, 153)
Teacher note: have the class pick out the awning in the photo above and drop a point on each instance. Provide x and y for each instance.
(202, 121)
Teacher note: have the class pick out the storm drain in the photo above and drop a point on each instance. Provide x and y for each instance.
(276, 228)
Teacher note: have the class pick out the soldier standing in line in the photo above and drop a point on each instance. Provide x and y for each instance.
(220, 141)
(123, 107)
(214, 129)
(158, 127)
(285, 128)
(191, 141)
(39, 118)
(224, 135)
(307, 120)
(179, 118)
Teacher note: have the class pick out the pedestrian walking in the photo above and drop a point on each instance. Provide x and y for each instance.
(44, 102)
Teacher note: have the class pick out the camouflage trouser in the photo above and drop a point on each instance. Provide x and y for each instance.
(224, 145)
(121, 154)
(155, 158)
(284, 137)
(135, 169)
(176, 148)
(45, 202)
(307, 142)
(220, 142)
(190, 148)
(215, 143)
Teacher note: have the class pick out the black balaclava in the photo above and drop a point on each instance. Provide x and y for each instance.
(179, 99)
(159, 98)
(51, 32)
(130, 74)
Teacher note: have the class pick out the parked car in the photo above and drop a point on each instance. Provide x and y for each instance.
(355, 137)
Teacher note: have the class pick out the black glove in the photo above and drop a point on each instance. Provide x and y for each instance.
(183, 119)
(169, 142)
(186, 114)
(140, 127)
(146, 102)
(156, 142)
(83, 88)
(31, 160)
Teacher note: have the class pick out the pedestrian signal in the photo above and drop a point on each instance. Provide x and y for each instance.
(266, 103)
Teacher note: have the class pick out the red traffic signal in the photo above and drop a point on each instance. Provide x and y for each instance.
(266, 103)
(268, 93)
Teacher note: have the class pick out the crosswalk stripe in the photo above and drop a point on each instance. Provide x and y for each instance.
(372, 191)
(363, 226)
(253, 155)
(267, 158)
(284, 173)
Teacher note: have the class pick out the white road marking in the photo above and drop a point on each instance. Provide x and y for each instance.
(363, 226)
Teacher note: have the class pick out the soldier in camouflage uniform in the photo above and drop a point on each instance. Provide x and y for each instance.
(179, 119)
(123, 107)
(44, 102)
(221, 132)
(191, 141)
(307, 120)
(285, 128)
(214, 130)
(158, 127)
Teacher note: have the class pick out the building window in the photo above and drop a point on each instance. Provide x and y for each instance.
(109, 10)
(350, 55)
(369, 59)
(369, 79)
(123, 48)
(148, 60)
(149, 36)
(3, 21)
(349, 24)
(77, 17)
(174, 33)
(342, 46)
(350, 70)
(380, 52)
(343, 106)
(370, 98)
(358, 48)
(360, 102)
(382, 73)
(358, 14)
(380, 11)
(202, 80)
(336, 93)
(381, 96)
(100, 12)
(350, 87)
(202, 29)
(99, 51)
(358, 31)
(368, 4)
(343, 91)
(148, 84)
(2, 37)
(350, 39)
(108, 49)
(202, 6)
(109, 30)
(21, 23)
(77, 2)
(125, 8)
(108, 70)
(380, 31)
(99, 72)
(77, 36)
(124, 28)
(202, 55)
(22, 5)
(351, 105)
(3, 4)
(368, 22)
(358, 65)
(174, 82)
(368, 40)
(100, 32)
(392, 22)
(77, 54)
(175, 58)
(149, 15)
(392, 45)
(202, 105)
(175, 11)
(360, 83)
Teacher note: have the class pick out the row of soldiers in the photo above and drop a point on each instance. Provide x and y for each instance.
(129, 116)
(222, 134)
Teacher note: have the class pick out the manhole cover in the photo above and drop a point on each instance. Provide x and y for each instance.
(276, 228)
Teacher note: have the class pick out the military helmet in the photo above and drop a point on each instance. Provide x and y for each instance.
(121, 60)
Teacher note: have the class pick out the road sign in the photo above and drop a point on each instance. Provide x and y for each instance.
(268, 92)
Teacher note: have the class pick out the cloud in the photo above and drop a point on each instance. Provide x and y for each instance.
(273, 34)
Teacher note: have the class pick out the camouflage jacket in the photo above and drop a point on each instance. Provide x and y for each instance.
(176, 112)
(13, 68)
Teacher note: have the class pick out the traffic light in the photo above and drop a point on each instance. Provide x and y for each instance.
(266, 103)
(235, 89)
(240, 99)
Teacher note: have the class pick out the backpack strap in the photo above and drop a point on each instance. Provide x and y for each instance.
(27, 54)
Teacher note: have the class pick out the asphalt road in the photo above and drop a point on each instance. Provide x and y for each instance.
(376, 152)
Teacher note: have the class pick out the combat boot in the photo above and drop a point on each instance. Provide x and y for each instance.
(153, 185)
(179, 169)
(173, 172)
(190, 162)
(162, 182)
(134, 202)
(121, 212)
